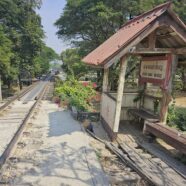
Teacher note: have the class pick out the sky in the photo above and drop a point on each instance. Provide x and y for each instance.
(50, 11)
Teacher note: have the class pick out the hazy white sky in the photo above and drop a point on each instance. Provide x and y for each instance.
(50, 12)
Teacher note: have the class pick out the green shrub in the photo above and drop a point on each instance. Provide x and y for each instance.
(76, 94)
(178, 85)
(177, 117)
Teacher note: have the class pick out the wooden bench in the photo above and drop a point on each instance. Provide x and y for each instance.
(171, 136)
(144, 114)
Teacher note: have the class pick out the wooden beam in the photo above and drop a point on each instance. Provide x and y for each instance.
(167, 97)
(152, 40)
(152, 51)
(168, 134)
(157, 51)
(106, 80)
(181, 51)
(176, 18)
(0, 90)
(123, 66)
(161, 21)
(125, 49)
(180, 31)
(165, 36)
(182, 63)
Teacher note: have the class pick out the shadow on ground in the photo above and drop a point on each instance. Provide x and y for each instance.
(63, 159)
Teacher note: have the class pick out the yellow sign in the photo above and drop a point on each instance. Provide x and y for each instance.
(155, 69)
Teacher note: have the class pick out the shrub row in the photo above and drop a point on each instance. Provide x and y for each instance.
(75, 94)
(177, 117)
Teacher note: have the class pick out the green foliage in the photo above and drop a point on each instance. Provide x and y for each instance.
(139, 96)
(156, 105)
(178, 85)
(5, 54)
(179, 79)
(177, 117)
(114, 76)
(75, 94)
(180, 7)
(89, 23)
(24, 35)
(42, 61)
(72, 63)
(31, 34)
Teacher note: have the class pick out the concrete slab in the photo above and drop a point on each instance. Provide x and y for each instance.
(59, 155)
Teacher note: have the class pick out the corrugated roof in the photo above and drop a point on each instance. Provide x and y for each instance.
(128, 32)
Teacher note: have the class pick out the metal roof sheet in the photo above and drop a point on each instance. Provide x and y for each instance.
(128, 32)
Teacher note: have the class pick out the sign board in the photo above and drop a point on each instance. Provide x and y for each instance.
(155, 70)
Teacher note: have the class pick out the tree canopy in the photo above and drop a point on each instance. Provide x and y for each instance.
(21, 40)
(72, 64)
(88, 23)
(42, 61)
(5, 55)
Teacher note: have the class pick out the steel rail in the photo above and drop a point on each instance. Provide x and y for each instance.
(21, 94)
(6, 154)
(123, 157)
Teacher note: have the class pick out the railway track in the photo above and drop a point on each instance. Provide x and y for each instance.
(49, 92)
(150, 168)
(15, 115)
(153, 168)
(18, 96)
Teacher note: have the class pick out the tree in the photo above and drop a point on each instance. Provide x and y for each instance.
(42, 61)
(6, 70)
(23, 29)
(180, 9)
(72, 63)
(88, 23)
(31, 34)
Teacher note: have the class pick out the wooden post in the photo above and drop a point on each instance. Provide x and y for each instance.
(105, 85)
(123, 66)
(105, 80)
(152, 40)
(167, 97)
(183, 78)
(0, 90)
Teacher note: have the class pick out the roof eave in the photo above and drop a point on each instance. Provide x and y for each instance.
(176, 18)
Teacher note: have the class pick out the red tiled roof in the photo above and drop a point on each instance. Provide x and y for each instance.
(128, 32)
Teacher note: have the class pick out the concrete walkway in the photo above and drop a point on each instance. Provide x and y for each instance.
(57, 153)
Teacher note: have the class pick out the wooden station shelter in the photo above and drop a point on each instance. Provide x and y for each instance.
(159, 37)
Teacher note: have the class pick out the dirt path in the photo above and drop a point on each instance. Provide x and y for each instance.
(54, 152)
(181, 100)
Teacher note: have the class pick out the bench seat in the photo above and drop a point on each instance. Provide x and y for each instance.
(144, 114)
